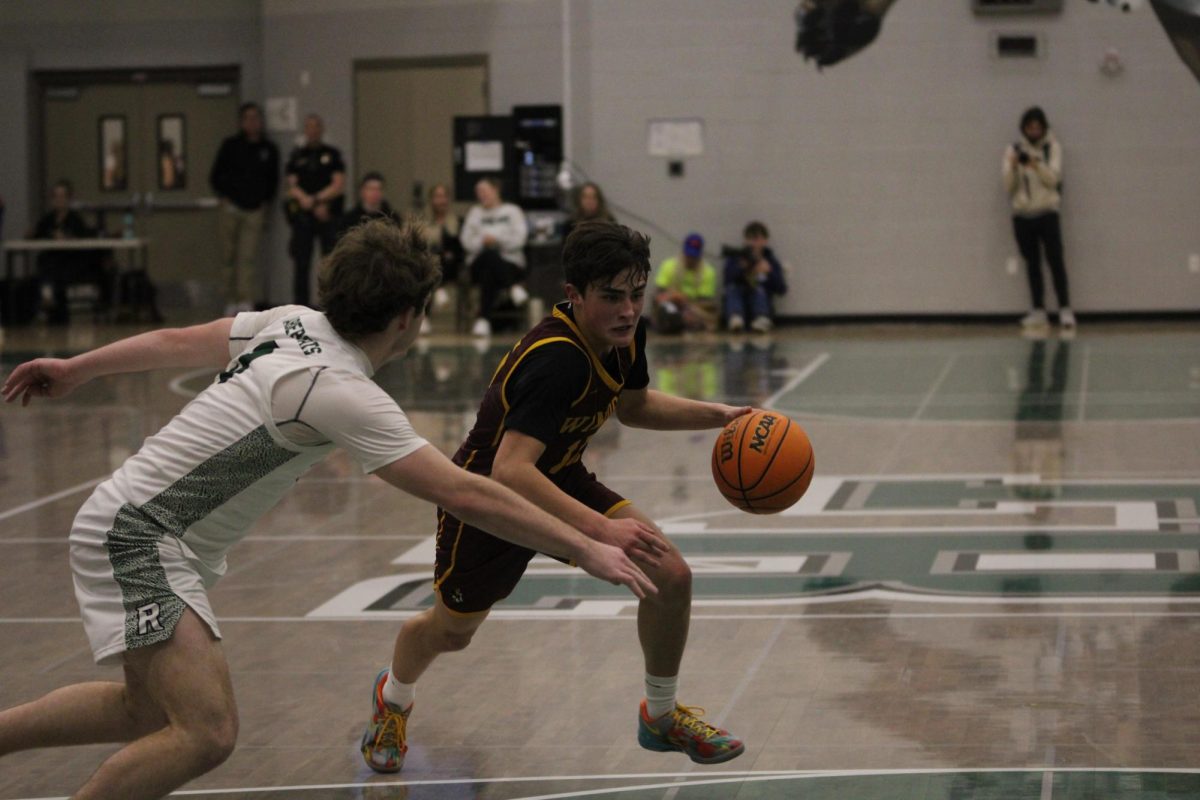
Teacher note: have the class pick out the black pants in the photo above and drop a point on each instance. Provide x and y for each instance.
(1033, 235)
(305, 228)
(492, 274)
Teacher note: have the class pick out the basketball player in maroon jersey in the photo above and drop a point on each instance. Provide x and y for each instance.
(550, 394)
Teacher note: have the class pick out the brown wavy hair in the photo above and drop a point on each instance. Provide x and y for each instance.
(377, 271)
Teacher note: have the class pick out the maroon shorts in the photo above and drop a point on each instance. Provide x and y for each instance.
(474, 570)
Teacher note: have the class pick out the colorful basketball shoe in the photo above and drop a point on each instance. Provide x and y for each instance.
(683, 730)
(384, 743)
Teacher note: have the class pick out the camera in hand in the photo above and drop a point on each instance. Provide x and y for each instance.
(743, 254)
(1022, 156)
(746, 258)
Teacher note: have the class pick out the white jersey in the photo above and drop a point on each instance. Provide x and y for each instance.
(293, 391)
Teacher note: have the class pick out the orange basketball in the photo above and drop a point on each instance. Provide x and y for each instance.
(762, 462)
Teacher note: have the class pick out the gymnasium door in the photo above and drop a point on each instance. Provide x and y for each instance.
(141, 144)
(404, 120)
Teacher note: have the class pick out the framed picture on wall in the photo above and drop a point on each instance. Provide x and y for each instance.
(172, 152)
(114, 158)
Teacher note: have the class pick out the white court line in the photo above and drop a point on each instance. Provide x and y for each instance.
(514, 616)
(725, 777)
(933, 390)
(50, 498)
(176, 384)
(797, 379)
(1083, 380)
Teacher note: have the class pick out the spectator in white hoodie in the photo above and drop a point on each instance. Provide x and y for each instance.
(493, 237)
(1032, 170)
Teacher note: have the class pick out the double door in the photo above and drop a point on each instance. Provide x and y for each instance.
(137, 148)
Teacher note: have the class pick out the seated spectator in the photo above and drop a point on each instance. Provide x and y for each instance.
(686, 290)
(589, 204)
(371, 204)
(753, 276)
(442, 229)
(493, 238)
(62, 268)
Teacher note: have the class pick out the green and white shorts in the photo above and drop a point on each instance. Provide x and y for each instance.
(132, 588)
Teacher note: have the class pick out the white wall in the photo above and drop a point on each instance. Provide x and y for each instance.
(879, 177)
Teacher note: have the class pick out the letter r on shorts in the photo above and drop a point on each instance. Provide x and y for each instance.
(147, 619)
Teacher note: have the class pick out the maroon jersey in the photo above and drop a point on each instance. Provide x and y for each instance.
(551, 386)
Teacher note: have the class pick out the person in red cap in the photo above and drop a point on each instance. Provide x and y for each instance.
(686, 290)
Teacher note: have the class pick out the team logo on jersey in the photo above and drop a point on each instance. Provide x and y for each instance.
(295, 329)
(147, 619)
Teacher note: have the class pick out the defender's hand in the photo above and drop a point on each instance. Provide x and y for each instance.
(634, 538)
(609, 564)
(42, 377)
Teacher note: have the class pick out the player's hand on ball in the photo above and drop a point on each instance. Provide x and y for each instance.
(733, 412)
(608, 563)
(637, 539)
(42, 377)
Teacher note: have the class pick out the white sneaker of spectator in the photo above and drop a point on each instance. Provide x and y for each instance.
(518, 295)
(761, 324)
(441, 298)
(1066, 318)
(1035, 319)
(481, 328)
(736, 323)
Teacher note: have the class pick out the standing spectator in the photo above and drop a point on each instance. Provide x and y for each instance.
(245, 176)
(753, 275)
(371, 204)
(316, 178)
(442, 230)
(589, 204)
(493, 237)
(686, 290)
(58, 269)
(1032, 170)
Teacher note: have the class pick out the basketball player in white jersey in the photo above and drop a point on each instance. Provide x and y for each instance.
(152, 538)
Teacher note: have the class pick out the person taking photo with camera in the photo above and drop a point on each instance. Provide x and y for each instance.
(753, 275)
(1032, 171)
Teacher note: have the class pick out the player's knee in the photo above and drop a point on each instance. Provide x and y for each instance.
(674, 579)
(214, 742)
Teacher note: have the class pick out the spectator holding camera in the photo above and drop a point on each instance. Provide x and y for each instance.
(753, 275)
(1032, 171)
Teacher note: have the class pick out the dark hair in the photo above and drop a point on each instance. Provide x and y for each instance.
(602, 211)
(597, 250)
(755, 229)
(244, 107)
(1034, 113)
(377, 271)
(371, 176)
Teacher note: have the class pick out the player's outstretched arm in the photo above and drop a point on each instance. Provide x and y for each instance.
(204, 345)
(487, 505)
(649, 408)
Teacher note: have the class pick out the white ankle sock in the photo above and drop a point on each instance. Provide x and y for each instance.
(660, 694)
(397, 694)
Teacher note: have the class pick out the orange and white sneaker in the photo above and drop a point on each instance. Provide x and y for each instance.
(385, 743)
(683, 730)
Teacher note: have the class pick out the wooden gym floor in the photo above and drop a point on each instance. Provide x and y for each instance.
(992, 589)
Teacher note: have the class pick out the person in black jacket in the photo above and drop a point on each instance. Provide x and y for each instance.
(245, 176)
(60, 269)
